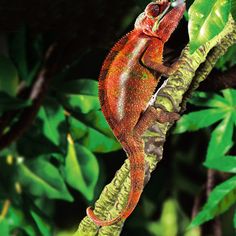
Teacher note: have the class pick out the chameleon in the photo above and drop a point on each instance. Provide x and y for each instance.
(128, 80)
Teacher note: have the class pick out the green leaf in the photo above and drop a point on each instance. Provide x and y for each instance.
(79, 96)
(17, 221)
(224, 163)
(8, 103)
(197, 120)
(81, 86)
(221, 139)
(91, 138)
(43, 227)
(8, 76)
(233, 9)
(234, 117)
(206, 20)
(81, 169)
(230, 96)
(52, 117)
(80, 103)
(97, 120)
(48, 132)
(40, 178)
(169, 217)
(26, 53)
(228, 59)
(168, 222)
(220, 199)
(4, 227)
(208, 100)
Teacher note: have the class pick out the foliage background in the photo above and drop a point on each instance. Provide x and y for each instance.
(60, 164)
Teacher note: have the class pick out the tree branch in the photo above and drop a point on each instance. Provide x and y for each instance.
(220, 80)
(114, 196)
(36, 95)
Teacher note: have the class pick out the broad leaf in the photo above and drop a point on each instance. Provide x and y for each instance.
(91, 138)
(230, 96)
(40, 178)
(52, 118)
(199, 119)
(234, 118)
(169, 217)
(206, 20)
(97, 120)
(8, 103)
(208, 99)
(220, 199)
(43, 227)
(81, 169)
(18, 222)
(80, 103)
(37, 141)
(4, 227)
(233, 9)
(221, 139)
(81, 86)
(224, 163)
(8, 76)
(26, 53)
(80, 96)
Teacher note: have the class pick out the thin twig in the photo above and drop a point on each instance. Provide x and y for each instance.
(210, 181)
(220, 80)
(37, 94)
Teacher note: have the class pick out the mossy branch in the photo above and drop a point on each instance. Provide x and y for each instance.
(193, 69)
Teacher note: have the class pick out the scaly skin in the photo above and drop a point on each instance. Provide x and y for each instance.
(128, 79)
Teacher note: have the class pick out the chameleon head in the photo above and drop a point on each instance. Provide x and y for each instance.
(155, 13)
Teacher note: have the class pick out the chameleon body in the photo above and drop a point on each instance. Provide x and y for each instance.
(128, 79)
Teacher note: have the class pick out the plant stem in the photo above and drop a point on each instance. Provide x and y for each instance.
(37, 94)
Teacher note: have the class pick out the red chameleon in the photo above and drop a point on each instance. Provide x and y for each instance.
(128, 79)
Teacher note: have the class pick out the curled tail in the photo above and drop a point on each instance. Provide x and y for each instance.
(137, 173)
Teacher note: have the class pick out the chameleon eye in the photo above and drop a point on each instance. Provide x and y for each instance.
(152, 10)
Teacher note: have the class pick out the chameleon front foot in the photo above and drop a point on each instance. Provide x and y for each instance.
(165, 116)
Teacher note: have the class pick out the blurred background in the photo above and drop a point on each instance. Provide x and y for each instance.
(57, 151)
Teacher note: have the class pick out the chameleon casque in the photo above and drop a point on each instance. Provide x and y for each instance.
(128, 79)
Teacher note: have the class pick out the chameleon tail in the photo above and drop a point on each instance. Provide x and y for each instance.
(137, 173)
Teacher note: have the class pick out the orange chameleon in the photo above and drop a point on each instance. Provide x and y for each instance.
(128, 79)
